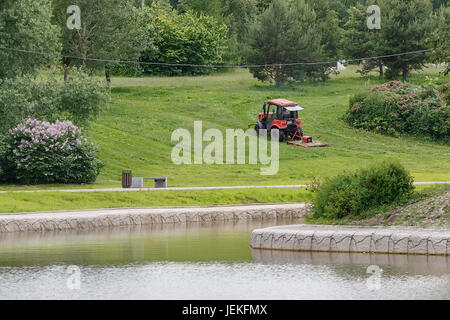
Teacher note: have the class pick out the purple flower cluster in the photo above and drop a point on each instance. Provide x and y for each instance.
(42, 152)
(61, 136)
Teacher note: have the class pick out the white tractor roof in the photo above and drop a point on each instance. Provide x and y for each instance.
(294, 108)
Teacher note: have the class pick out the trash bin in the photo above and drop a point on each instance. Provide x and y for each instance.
(127, 178)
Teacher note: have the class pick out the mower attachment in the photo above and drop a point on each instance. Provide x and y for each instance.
(307, 142)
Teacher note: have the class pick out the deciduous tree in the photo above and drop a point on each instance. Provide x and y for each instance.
(26, 25)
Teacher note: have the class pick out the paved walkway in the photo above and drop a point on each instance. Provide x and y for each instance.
(298, 186)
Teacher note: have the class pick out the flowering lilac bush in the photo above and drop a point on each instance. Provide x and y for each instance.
(42, 152)
(395, 107)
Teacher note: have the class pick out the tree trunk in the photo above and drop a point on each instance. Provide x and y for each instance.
(66, 73)
(404, 74)
(66, 63)
(108, 77)
(380, 65)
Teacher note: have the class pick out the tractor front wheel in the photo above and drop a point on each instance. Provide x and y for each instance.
(258, 128)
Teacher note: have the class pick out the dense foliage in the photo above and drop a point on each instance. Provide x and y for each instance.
(108, 31)
(26, 25)
(181, 39)
(439, 40)
(394, 107)
(79, 99)
(42, 152)
(286, 32)
(353, 194)
(405, 25)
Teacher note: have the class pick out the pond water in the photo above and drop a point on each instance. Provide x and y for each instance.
(203, 261)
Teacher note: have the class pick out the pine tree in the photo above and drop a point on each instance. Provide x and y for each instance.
(360, 42)
(285, 33)
(405, 26)
(440, 39)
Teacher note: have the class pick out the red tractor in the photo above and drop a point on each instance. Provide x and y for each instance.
(282, 114)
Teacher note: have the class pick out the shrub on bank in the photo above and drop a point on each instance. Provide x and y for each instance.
(80, 99)
(41, 152)
(394, 108)
(352, 194)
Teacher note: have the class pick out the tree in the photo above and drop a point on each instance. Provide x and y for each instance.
(328, 23)
(239, 15)
(439, 39)
(211, 8)
(108, 31)
(285, 33)
(405, 26)
(26, 25)
(186, 38)
(360, 42)
(439, 3)
(341, 8)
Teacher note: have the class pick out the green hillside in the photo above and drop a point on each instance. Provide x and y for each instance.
(135, 132)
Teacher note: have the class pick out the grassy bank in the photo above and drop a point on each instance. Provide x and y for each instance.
(429, 206)
(55, 201)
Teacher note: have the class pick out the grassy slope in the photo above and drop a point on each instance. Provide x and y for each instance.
(134, 133)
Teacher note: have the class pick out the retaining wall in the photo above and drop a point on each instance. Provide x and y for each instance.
(321, 238)
(92, 219)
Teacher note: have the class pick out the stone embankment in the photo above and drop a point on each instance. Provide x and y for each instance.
(93, 219)
(321, 238)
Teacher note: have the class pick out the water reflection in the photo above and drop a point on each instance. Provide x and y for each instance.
(218, 241)
(390, 263)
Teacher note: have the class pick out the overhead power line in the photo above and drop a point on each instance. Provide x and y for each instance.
(211, 66)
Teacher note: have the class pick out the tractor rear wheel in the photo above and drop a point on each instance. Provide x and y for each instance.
(282, 136)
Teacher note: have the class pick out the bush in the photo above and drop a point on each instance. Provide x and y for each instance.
(42, 152)
(23, 97)
(394, 108)
(80, 99)
(444, 90)
(83, 97)
(352, 194)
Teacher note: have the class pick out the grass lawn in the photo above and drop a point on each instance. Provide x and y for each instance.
(55, 201)
(135, 133)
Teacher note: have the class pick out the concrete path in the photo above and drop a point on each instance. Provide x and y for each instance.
(103, 218)
(298, 186)
(399, 240)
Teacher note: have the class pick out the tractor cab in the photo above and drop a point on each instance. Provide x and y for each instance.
(281, 114)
